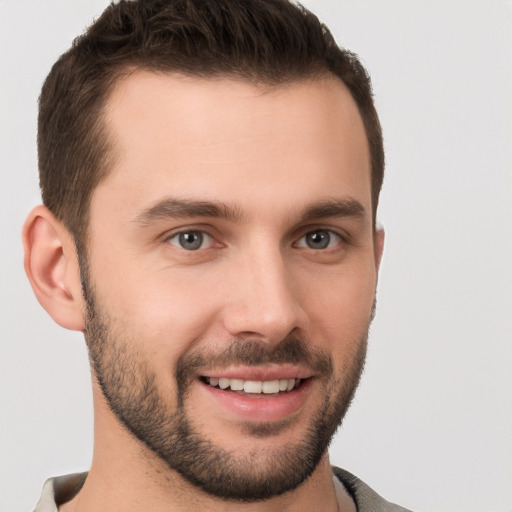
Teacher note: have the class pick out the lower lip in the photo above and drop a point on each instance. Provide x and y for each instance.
(261, 407)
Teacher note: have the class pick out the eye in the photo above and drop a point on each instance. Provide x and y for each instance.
(319, 239)
(191, 240)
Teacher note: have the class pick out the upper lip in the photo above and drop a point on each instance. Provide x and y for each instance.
(260, 373)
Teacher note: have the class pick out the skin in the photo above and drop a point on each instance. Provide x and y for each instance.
(269, 154)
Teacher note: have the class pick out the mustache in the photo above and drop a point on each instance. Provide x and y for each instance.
(250, 352)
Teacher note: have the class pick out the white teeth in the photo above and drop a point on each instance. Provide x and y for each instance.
(270, 386)
(254, 386)
(236, 384)
(223, 383)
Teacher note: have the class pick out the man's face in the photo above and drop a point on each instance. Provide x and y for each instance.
(231, 274)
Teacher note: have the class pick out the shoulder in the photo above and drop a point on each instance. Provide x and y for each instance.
(366, 499)
(58, 490)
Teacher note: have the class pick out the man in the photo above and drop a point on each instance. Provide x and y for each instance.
(210, 175)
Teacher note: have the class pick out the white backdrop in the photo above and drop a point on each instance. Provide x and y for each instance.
(431, 427)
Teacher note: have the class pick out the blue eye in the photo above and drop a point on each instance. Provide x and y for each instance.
(191, 240)
(319, 239)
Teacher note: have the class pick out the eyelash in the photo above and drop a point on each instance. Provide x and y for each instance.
(202, 237)
(331, 235)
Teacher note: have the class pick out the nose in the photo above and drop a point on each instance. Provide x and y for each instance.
(263, 299)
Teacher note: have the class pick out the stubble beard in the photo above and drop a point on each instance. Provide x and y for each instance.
(130, 387)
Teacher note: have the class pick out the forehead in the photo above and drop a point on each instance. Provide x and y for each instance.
(220, 138)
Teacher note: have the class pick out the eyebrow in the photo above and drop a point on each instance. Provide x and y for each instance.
(184, 208)
(335, 208)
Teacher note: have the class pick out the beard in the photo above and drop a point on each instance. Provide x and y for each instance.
(129, 384)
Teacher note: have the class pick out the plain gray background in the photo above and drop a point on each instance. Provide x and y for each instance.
(431, 426)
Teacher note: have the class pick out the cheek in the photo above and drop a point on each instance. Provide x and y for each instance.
(340, 304)
(166, 311)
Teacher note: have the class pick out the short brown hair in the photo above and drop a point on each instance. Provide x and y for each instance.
(270, 41)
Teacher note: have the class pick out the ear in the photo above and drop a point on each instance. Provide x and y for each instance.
(51, 265)
(378, 243)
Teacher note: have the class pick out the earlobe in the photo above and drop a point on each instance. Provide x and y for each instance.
(51, 266)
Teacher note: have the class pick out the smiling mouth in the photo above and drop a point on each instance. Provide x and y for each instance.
(254, 387)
